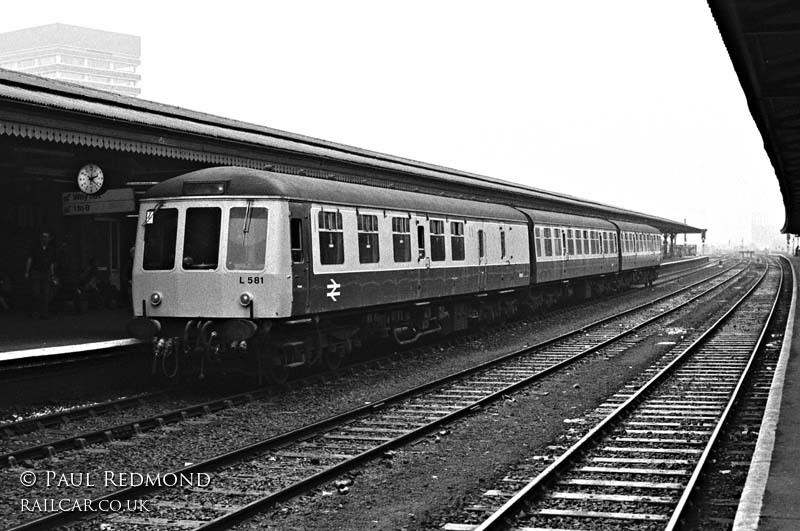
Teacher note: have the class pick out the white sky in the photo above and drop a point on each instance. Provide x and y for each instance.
(627, 102)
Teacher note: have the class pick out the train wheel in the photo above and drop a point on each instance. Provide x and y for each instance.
(275, 372)
(332, 357)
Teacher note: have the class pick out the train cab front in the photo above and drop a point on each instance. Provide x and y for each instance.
(207, 280)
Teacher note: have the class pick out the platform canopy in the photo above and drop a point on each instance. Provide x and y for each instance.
(763, 41)
(141, 140)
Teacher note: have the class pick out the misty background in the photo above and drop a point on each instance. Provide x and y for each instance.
(629, 103)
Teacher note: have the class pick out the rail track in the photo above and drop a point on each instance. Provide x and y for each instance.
(250, 478)
(57, 429)
(638, 467)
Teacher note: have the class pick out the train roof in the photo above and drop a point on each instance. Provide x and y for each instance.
(571, 220)
(244, 182)
(633, 227)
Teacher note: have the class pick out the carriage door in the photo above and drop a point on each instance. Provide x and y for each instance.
(482, 260)
(299, 240)
(423, 260)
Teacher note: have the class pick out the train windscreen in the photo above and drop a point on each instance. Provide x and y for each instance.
(160, 232)
(201, 238)
(247, 239)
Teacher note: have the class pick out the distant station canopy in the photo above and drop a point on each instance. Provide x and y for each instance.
(763, 41)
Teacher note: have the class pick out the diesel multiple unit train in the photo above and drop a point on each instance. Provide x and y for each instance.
(236, 266)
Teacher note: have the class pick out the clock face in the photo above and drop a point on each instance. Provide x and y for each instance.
(90, 179)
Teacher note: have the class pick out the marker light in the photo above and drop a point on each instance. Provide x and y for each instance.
(245, 299)
(155, 298)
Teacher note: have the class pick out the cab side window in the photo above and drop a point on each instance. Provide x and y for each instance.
(296, 240)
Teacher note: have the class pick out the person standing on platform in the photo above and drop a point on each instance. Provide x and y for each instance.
(40, 269)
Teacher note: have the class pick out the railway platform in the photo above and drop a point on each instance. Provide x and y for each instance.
(771, 497)
(64, 333)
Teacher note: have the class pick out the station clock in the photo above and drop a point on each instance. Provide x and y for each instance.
(90, 179)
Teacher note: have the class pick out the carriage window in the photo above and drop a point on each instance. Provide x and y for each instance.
(481, 245)
(538, 238)
(557, 242)
(586, 242)
(331, 238)
(201, 238)
(160, 233)
(437, 240)
(247, 239)
(570, 242)
(548, 242)
(296, 240)
(401, 239)
(368, 252)
(457, 240)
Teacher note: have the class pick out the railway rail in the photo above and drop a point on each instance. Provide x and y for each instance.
(293, 462)
(637, 468)
(14, 449)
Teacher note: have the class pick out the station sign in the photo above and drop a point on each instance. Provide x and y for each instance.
(113, 201)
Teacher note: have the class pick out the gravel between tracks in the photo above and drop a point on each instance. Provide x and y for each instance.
(409, 490)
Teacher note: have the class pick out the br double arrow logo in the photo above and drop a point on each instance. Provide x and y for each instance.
(333, 290)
